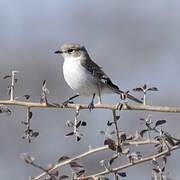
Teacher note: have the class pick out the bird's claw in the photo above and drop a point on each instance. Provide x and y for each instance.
(65, 103)
(91, 106)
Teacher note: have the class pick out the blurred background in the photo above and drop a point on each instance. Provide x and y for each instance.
(136, 42)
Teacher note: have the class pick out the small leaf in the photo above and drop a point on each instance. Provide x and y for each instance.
(78, 138)
(122, 174)
(27, 158)
(111, 144)
(119, 149)
(112, 132)
(26, 96)
(78, 124)
(30, 114)
(160, 122)
(76, 166)
(83, 123)
(145, 87)
(24, 122)
(163, 169)
(142, 132)
(63, 177)
(35, 134)
(117, 117)
(142, 119)
(6, 76)
(154, 162)
(156, 170)
(113, 158)
(44, 83)
(63, 158)
(70, 134)
(138, 89)
(152, 89)
(80, 173)
(109, 123)
(123, 136)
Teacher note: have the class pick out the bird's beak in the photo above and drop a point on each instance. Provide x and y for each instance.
(58, 52)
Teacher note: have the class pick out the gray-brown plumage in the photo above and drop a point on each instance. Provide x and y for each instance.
(84, 76)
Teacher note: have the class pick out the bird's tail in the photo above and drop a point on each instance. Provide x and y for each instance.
(129, 96)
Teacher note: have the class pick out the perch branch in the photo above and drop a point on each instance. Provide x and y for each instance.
(140, 107)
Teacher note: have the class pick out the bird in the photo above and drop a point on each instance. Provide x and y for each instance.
(86, 77)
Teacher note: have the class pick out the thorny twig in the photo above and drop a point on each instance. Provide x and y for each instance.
(90, 152)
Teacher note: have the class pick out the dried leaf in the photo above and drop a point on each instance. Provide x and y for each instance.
(70, 134)
(154, 162)
(6, 77)
(156, 170)
(27, 158)
(63, 158)
(83, 123)
(139, 89)
(63, 177)
(122, 174)
(26, 96)
(109, 123)
(78, 124)
(123, 136)
(44, 83)
(35, 134)
(30, 114)
(145, 86)
(143, 131)
(113, 158)
(111, 144)
(80, 173)
(160, 122)
(119, 149)
(102, 132)
(78, 138)
(152, 89)
(76, 166)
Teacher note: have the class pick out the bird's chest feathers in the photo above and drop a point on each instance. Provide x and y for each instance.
(77, 77)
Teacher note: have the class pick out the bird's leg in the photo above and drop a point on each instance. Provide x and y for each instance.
(69, 100)
(99, 95)
(91, 104)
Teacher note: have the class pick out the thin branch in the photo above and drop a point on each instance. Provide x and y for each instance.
(135, 162)
(116, 127)
(140, 107)
(90, 152)
(12, 85)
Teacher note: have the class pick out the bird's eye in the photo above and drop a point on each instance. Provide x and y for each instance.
(70, 50)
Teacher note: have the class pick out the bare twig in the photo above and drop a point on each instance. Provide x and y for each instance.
(12, 85)
(90, 152)
(135, 162)
(116, 127)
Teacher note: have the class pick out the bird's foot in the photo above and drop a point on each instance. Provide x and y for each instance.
(65, 103)
(91, 106)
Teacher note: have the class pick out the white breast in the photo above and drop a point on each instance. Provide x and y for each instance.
(78, 78)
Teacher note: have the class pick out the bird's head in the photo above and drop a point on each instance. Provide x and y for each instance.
(71, 50)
